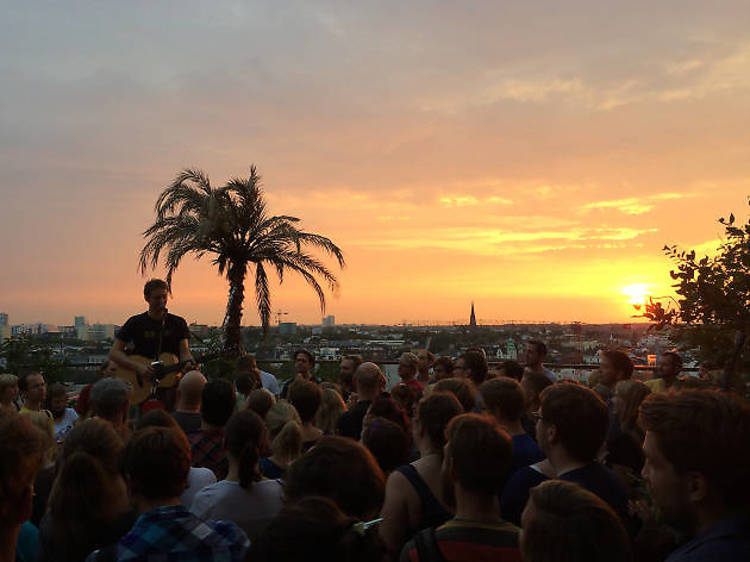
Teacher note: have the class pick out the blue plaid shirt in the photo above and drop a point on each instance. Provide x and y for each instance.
(172, 533)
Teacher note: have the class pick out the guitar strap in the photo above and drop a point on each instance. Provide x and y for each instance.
(155, 380)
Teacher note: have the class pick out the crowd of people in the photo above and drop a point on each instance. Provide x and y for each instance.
(456, 462)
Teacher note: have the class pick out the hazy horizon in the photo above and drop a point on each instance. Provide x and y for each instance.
(531, 157)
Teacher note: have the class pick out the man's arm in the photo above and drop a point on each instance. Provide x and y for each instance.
(185, 355)
(118, 355)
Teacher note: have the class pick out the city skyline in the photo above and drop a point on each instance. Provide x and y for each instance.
(531, 158)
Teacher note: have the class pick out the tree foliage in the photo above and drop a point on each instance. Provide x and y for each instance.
(711, 312)
(231, 224)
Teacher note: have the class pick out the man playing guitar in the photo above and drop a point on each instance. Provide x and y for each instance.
(150, 334)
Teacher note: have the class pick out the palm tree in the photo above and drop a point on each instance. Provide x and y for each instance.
(231, 224)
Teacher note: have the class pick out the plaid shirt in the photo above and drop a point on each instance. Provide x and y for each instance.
(172, 534)
(207, 450)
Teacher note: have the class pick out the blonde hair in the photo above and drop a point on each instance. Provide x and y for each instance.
(632, 393)
(43, 421)
(285, 427)
(6, 380)
(330, 410)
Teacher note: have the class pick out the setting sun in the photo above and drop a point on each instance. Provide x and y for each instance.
(637, 293)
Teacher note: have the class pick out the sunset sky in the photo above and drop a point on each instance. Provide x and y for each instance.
(533, 157)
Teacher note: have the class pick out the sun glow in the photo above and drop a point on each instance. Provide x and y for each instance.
(638, 293)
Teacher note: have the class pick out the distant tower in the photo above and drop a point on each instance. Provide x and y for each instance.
(472, 318)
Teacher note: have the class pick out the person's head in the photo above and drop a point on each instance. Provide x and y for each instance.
(535, 353)
(626, 401)
(284, 428)
(386, 407)
(388, 442)
(156, 418)
(43, 423)
(331, 407)
(305, 397)
(247, 364)
(110, 399)
(425, 359)
(442, 368)
(503, 399)
(190, 390)
(245, 439)
(217, 402)
(463, 389)
(33, 389)
(433, 415)
(8, 388)
(697, 458)
(669, 365)
(564, 522)
(155, 292)
(533, 384)
(615, 366)
(21, 453)
(57, 399)
(340, 469)
(347, 368)
(368, 380)
(471, 365)
(304, 362)
(260, 401)
(407, 366)
(89, 487)
(405, 397)
(156, 463)
(476, 452)
(315, 529)
(572, 418)
(511, 369)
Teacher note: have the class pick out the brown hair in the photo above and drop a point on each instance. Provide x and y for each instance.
(153, 284)
(504, 398)
(533, 385)
(580, 416)
(157, 461)
(340, 469)
(621, 363)
(388, 442)
(476, 362)
(480, 451)
(434, 413)
(21, 452)
(632, 393)
(260, 401)
(305, 397)
(572, 524)
(330, 410)
(246, 437)
(463, 389)
(705, 431)
(85, 488)
(283, 425)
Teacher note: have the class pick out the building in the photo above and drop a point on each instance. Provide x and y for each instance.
(5, 331)
(329, 321)
(287, 328)
(101, 332)
(79, 321)
(472, 317)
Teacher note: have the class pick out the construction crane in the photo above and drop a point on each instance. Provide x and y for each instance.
(279, 314)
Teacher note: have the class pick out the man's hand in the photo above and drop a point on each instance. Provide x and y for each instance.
(146, 372)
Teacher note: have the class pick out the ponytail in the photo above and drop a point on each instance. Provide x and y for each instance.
(245, 436)
(248, 460)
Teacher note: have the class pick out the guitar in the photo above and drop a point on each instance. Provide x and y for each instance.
(168, 373)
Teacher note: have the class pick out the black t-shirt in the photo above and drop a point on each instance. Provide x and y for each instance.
(142, 333)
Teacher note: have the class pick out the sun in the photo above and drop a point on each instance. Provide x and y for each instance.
(638, 293)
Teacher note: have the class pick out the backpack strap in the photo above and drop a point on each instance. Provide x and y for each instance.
(427, 546)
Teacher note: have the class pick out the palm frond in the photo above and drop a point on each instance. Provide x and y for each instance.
(262, 295)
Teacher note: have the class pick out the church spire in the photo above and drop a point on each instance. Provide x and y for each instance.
(472, 318)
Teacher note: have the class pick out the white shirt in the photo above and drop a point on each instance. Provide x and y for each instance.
(198, 478)
(270, 383)
(65, 424)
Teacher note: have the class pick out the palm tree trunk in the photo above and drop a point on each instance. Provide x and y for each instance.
(233, 317)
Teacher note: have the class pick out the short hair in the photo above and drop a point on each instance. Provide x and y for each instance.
(340, 469)
(430, 355)
(621, 362)
(512, 369)
(503, 397)
(283, 425)
(56, 390)
(534, 384)
(260, 401)
(368, 376)
(580, 416)
(217, 402)
(356, 359)
(246, 362)
(156, 418)
(704, 431)
(308, 354)
(386, 407)
(408, 359)
(571, 523)
(445, 362)
(246, 383)
(153, 284)
(23, 380)
(676, 359)
(305, 396)
(108, 397)
(246, 437)
(6, 380)
(388, 442)
(480, 451)
(157, 461)
(461, 389)
(477, 365)
(434, 412)
(405, 396)
(540, 346)
(315, 528)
